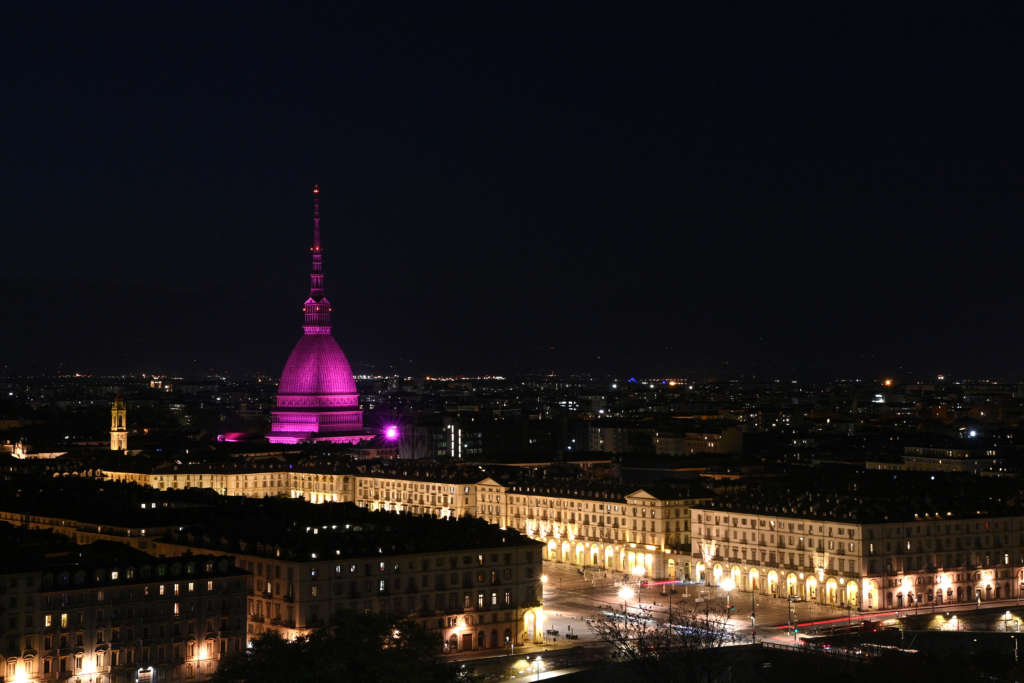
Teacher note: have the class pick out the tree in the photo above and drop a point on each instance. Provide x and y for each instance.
(355, 647)
(672, 650)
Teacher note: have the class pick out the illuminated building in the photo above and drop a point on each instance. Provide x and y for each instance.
(859, 559)
(615, 527)
(108, 613)
(317, 398)
(476, 585)
(119, 425)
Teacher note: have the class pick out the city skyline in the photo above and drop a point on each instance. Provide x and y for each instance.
(515, 192)
(630, 342)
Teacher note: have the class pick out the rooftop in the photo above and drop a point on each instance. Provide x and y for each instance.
(271, 526)
(874, 497)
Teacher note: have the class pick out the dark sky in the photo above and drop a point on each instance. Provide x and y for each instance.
(513, 186)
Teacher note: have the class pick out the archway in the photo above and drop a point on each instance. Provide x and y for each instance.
(811, 588)
(832, 592)
(773, 582)
(754, 580)
(699, 572)
(716, 573)
(530, 625)
(791, 585)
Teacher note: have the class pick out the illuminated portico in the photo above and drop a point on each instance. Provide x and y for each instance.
(862, 566)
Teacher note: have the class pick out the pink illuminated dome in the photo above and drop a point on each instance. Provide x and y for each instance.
(317, 365)
(317, 399)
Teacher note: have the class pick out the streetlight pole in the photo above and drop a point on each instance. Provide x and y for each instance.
(753, 614)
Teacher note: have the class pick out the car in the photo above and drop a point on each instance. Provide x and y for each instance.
(571, 636)
(552, 631)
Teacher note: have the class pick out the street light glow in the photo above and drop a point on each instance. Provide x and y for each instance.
(728, 584)
(543, 578)
(627, 593)
(639, 570)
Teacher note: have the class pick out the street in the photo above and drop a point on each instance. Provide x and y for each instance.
(570, 597)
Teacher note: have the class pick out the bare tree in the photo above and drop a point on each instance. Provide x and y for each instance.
(676, 648)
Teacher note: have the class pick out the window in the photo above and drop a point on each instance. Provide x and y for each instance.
(64, 620)
(48, 620)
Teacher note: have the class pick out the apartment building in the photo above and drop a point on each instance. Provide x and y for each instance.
(108, 613)
(610, 526)
(478, 585)
(860, 557)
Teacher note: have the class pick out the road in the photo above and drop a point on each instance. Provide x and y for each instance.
(570, 597)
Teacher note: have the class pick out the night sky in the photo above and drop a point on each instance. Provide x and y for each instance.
(513, 187)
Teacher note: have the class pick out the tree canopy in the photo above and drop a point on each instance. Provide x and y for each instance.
(355, 647)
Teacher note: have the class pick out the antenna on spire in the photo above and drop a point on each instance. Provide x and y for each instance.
(316, 218)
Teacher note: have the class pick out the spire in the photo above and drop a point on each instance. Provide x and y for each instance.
(317, 308)
(316, 277)
(316, 218)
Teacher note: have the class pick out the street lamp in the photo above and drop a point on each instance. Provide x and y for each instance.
(538, 665)
(728, 585)
(626, 594)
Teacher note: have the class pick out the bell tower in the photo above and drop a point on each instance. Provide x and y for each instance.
(119, 425)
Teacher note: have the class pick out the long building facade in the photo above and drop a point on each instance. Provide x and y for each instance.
(608, 526)
(477, 586)
(928, 559)
(106, 613)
